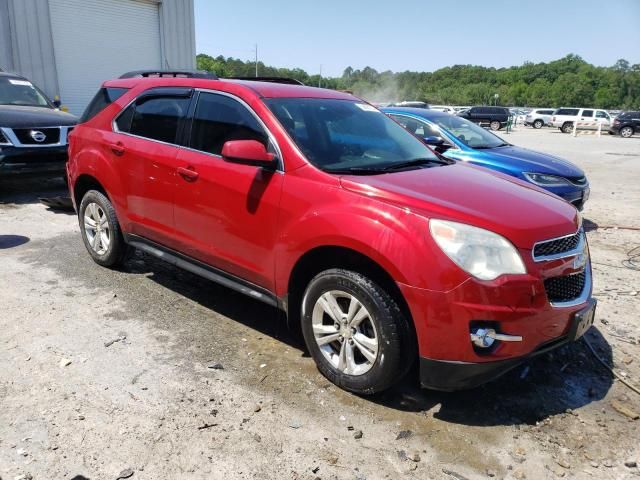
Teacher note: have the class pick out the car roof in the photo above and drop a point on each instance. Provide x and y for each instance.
(419, 112)
(12, 75)
(262, 89)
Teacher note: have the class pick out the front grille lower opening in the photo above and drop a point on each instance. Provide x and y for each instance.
(566, 288)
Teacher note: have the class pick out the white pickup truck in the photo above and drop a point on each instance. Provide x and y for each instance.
(587, 118)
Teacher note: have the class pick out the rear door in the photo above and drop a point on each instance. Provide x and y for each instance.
(145, 142)
(586, 116)
(603, 118)
(226, 214)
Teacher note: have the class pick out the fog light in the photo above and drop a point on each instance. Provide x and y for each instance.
(485, 337)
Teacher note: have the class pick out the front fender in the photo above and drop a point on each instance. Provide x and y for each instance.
(395, 238)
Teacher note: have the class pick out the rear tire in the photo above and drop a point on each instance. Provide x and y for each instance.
(626, 132)
(567, 127)
(356, 332)
(100, 230)
(538, 124)
(495, 125)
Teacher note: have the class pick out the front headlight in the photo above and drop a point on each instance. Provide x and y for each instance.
(544, 180)
(481, 253)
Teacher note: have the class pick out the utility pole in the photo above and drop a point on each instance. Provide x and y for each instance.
(256, 60)
(320, 76)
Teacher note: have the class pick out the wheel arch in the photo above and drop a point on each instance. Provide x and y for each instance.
(325, 257)
(83, 184)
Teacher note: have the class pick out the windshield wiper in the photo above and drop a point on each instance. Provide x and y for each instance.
(486, 147)
(416, 162)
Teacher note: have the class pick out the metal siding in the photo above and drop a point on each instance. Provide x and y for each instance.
(178, 34)
(6, 55)
(96, 40)
(30, 42)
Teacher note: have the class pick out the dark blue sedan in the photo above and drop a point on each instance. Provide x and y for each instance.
(460, 139)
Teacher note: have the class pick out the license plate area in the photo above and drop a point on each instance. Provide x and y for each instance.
(583, 320)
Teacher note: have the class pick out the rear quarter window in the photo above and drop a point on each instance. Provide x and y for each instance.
(105, 97)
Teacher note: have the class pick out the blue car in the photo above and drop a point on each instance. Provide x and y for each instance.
(460, 139)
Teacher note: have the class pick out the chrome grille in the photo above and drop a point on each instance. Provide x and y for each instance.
(52, 135)
(558, 247)
(566, 288)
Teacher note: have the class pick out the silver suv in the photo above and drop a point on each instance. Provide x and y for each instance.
(539, 117)
(564, 118)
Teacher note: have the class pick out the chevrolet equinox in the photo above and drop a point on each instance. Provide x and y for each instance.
(314, 201)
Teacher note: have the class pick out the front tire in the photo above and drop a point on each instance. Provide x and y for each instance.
(626, 132)
(356, 332)
(100, 230)
(495, 125)
(567, 127)
(538, 124)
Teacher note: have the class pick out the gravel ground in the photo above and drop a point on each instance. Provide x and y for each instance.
(108, 374)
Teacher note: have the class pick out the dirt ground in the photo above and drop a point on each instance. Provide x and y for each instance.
(106, 374)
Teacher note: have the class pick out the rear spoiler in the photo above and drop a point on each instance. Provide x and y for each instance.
(170, 73)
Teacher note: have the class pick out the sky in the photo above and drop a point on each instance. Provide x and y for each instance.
(423, 35)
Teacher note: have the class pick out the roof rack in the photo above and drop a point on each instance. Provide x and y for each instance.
(287, 80)
(170, 73)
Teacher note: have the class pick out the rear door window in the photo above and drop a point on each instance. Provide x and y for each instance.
(156, 117)
(587, 113)
(567, 111)
(218, 119)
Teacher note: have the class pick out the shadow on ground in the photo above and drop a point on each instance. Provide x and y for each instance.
(23, 190)
(567, 378)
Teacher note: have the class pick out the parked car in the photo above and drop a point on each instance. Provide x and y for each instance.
(459, 139)
(539, 117)
(440, 108)
(494, 117)
(33, 133)
(314, 201)
(564, 118)
(626, 124)
(411, 103)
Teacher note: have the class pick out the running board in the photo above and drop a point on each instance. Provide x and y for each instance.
(203, 270)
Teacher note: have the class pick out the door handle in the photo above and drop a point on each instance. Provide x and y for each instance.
(189, 174)
(117, 148)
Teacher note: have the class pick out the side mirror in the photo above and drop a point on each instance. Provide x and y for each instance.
(248, 152)
(434, 141)
(56, 101)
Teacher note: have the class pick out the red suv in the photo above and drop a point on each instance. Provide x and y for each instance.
(314, 201)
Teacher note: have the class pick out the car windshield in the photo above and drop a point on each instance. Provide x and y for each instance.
(468, 132)
(344, 136)
(17, 91)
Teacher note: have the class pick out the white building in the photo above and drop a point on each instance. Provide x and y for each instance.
(69, 47)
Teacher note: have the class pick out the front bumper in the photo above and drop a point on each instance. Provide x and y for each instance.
(513, 305)
(25, 160)
(448, 375)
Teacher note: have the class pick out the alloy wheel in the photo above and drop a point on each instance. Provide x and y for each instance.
(96, 228)
(345, 332)
(626, 132)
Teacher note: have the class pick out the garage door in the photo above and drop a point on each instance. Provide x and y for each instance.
(95, 40)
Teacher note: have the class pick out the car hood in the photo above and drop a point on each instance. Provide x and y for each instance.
(531, 161)
(16, 116)
(519, 211)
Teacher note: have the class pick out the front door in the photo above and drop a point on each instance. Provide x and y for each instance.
(226, 214)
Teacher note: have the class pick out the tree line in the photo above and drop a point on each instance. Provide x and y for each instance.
(569, 81)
